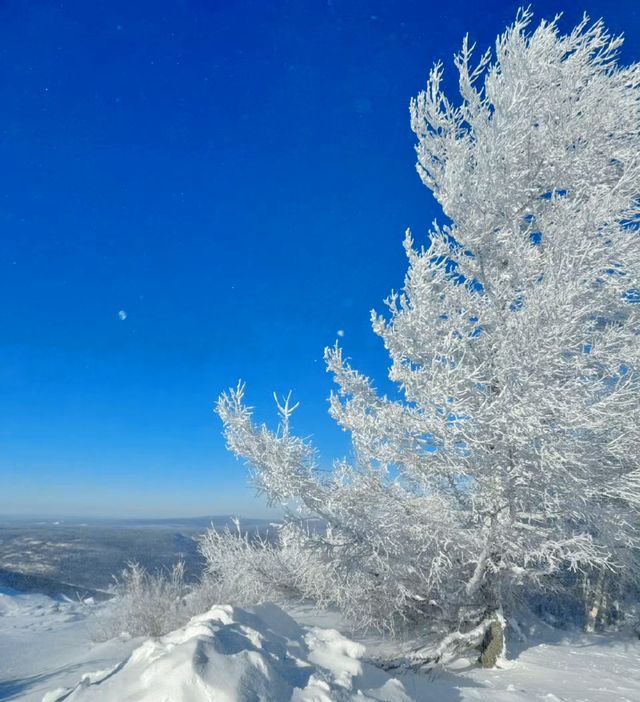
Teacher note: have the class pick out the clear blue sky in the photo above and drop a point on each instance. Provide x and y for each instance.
(237, 178)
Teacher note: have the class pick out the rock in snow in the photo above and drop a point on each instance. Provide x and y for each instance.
(232, 655)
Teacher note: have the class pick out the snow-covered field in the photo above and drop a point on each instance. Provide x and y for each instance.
(46, 643)
(234, 655)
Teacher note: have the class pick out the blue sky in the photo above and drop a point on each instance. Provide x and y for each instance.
(237, 178)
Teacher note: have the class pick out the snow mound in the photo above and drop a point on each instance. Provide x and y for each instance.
(233, 655)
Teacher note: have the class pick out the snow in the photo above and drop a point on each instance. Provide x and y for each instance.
(45, 642)
(232, 655)
(265, 655)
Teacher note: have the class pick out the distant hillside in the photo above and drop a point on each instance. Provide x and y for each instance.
(86, 554)
(47, 586)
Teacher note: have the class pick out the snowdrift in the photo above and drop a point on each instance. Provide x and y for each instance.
(233, 655)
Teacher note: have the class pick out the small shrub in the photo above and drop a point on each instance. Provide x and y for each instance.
(147, 604)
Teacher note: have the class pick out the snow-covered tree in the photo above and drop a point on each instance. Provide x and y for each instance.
(511, 451)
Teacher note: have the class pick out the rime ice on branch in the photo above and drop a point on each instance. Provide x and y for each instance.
(512, 455)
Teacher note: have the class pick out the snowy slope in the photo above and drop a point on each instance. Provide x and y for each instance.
(232, 655)
(45, 642)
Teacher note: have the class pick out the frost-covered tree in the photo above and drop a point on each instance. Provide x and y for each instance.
(511, 451)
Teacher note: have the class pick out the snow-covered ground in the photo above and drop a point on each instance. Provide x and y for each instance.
(263, 655)
(46, 643)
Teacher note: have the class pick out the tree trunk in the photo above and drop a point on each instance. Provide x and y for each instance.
(492, 646)
(595, 601)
